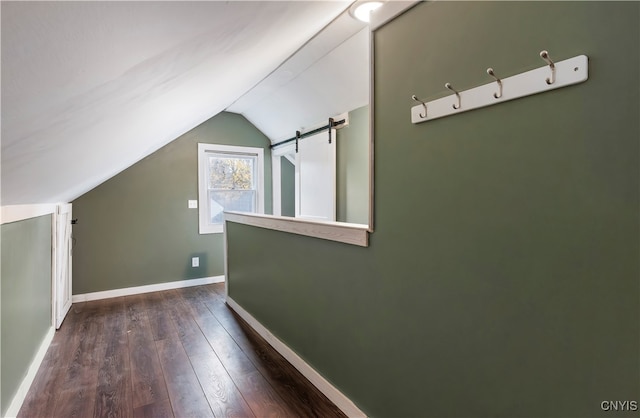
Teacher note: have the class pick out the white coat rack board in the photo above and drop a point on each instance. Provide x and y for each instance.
(550, 77)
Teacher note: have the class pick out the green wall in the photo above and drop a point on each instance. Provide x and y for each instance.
(502, 279)
(135, 229)
(352, 173)
(287, 188)
(26, 299)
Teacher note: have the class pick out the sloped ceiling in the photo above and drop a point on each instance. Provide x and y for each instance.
(327, 77)
(89, 88)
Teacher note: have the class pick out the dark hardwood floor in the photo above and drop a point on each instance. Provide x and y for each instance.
(177, 353)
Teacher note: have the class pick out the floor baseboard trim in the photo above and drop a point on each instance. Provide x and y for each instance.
(127, 291)
(23, 389)
(330, 391)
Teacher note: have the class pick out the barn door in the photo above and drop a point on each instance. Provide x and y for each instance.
(61, 260)
(316, 177)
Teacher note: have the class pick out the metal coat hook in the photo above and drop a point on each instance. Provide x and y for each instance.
(492, 74)
(562, 73)
(448, 85)
(423, 104)
(545, 56)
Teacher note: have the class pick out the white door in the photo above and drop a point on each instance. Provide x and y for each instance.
(61, 260)
(316, 177)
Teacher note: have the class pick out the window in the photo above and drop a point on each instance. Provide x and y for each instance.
(229, 178)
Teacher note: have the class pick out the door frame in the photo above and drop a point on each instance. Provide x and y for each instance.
(276, 181)
(61, 242)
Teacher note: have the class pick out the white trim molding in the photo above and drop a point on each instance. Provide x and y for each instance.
(348, 233)
(127, 291)
(338, 398)
(15, 213)
(23, 389)
(205, 150)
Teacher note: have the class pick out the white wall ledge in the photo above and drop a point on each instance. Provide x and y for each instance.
(348, 233)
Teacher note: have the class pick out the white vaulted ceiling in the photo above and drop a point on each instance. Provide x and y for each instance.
(327, 77)
(89, 88)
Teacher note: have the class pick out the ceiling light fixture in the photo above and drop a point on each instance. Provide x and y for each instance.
(361, 10)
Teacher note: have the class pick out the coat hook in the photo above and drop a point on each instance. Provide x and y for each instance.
(492, 74)
(447, 85)
(545, 56)
(423, 104)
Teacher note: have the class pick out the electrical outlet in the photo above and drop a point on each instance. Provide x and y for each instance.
(195, 261)
(193, 204)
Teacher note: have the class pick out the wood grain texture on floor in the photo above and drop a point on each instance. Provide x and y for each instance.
(177, 353)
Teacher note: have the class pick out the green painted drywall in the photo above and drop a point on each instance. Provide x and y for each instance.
(352, 174)
(287, 188)
(135, 229)
(26, 299)
(502, 278)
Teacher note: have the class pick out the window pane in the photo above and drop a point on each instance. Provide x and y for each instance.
(231, 173)
(231, 184)
(229, 178)
(238, 200)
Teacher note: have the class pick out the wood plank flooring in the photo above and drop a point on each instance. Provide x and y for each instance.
(177, 353)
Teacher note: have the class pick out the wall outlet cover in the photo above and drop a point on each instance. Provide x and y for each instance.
(193, 204)
(195, 261)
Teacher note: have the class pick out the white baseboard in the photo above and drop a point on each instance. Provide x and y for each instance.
(127, 291)
(334, 395)
(23, 389)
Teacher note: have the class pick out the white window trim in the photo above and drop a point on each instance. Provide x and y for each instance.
(204, 226)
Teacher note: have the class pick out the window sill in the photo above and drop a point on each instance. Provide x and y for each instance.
(210, 230)
(354, 234)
